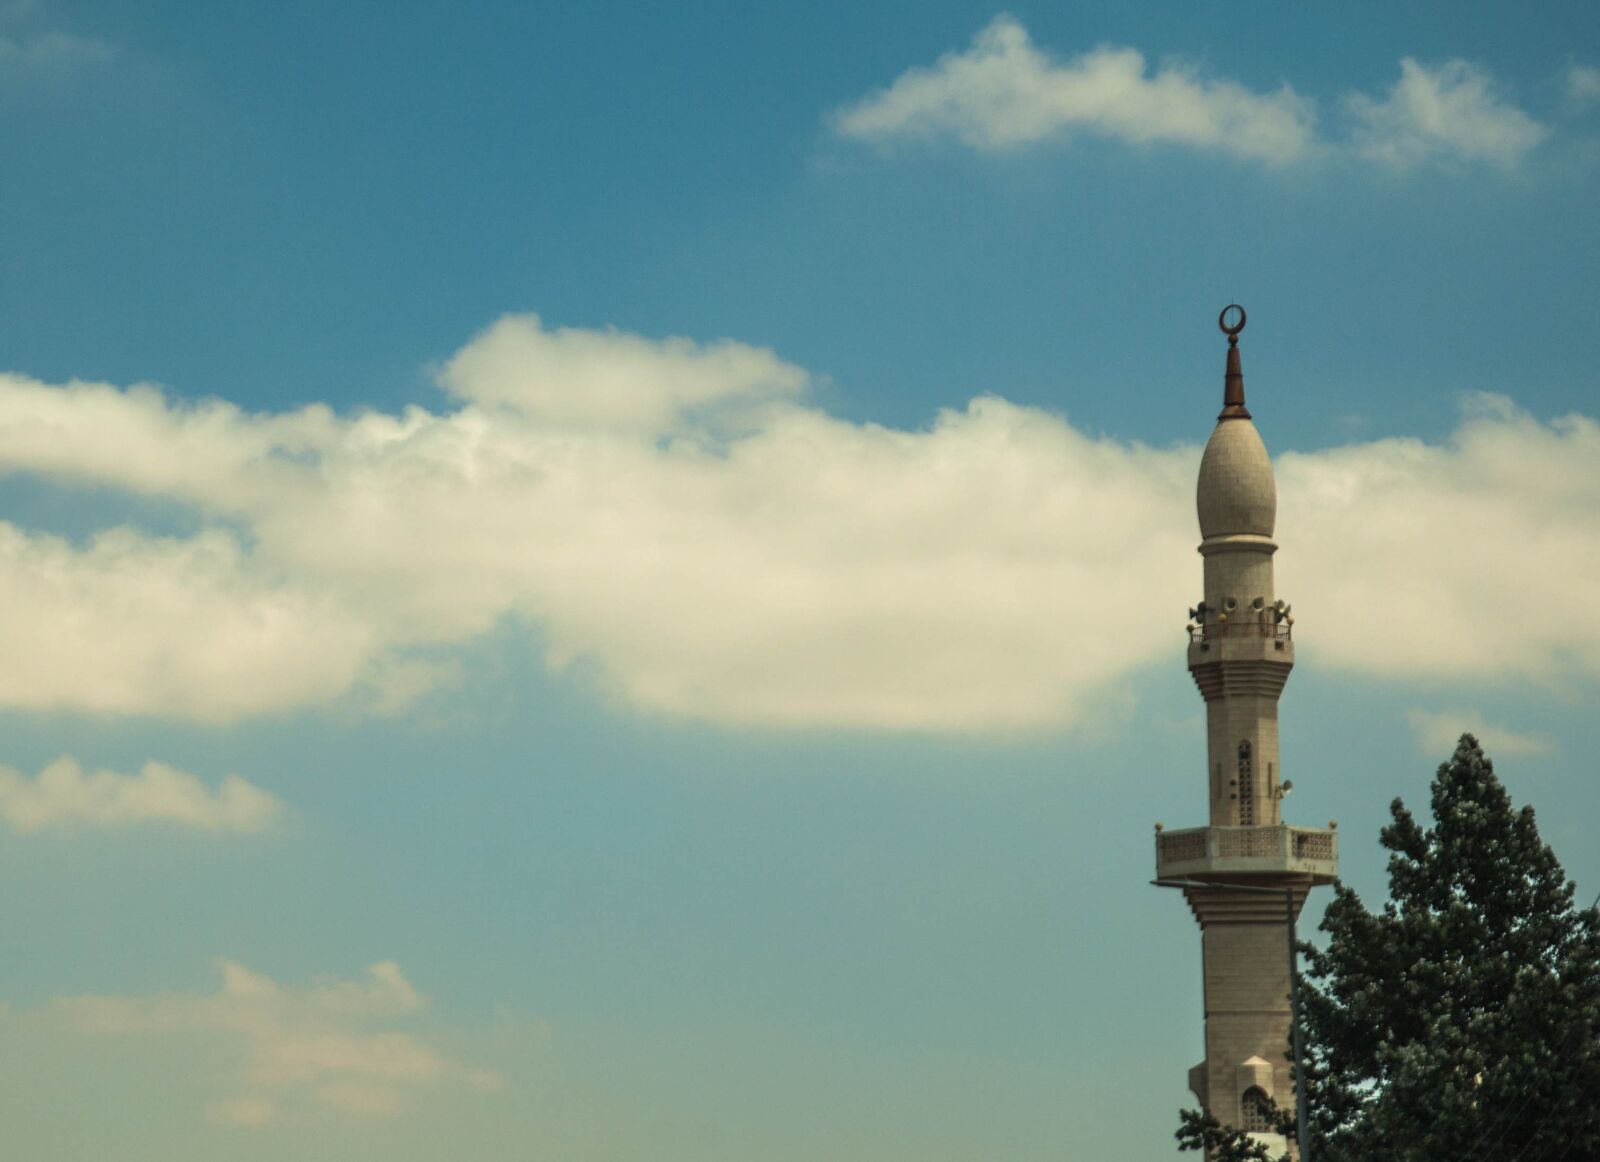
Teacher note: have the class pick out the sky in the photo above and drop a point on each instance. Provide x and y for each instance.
(607, 581)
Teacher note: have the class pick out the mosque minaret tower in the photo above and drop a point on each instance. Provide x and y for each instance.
(1244, 872)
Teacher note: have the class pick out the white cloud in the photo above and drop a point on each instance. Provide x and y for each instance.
(784, 567)
(739, 557)
(195, 627)
(313, 1043)
(63, 795)
(1438, 732)
(1450, 112)
(1582, 85)
(1003, 91)
(1469, 560)
(573, 377)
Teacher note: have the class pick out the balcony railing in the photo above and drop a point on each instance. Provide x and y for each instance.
(1195, 850)
(1267, 630)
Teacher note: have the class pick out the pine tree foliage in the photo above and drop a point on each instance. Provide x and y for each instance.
(1462, 1021)
(1202, 1131)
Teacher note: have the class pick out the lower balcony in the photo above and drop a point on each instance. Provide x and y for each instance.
(1199, 852)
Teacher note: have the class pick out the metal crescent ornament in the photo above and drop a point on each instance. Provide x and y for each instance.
(1222, 320)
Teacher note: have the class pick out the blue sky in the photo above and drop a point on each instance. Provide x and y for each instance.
(606, 581)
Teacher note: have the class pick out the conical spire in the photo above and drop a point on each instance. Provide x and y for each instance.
(1233, 384)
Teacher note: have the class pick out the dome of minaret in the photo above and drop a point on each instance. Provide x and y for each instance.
(1236, 493)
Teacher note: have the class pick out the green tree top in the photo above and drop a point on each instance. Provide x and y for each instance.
(1462, 1021)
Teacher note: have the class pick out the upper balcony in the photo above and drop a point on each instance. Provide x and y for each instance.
(1265, 630)
(1201, 852)
(1247, 639)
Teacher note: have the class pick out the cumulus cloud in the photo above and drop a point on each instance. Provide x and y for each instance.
(1437, 732)
(196, 627)
(734, 555)
(1003, 91)
(1469, 559)
(784, 567)
(1448, 112)
(574, 377)
(63, 795)
(315, 1043)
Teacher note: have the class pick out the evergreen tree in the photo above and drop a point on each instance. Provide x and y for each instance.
(1202, 1131)
(1461, 1022)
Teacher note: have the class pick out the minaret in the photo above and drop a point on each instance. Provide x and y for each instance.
(1240, 653)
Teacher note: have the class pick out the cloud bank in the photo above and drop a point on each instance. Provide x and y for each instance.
(63, 796)
(703, 544)
(1003, 92)
(314, 1044)
(1465, 560)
